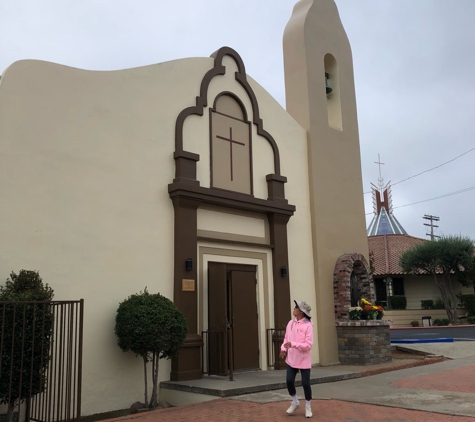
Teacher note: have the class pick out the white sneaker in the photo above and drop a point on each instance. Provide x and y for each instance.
(308, 412)
(293, 407)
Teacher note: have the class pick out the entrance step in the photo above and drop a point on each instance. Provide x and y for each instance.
(207, 388)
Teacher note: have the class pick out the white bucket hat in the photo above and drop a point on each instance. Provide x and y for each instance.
(304, 307)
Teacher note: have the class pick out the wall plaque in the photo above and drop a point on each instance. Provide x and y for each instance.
(187, 285)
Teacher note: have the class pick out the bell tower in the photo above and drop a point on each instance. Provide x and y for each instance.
(320, 96)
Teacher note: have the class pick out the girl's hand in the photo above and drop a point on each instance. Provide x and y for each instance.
(288, 345)
(282, 354)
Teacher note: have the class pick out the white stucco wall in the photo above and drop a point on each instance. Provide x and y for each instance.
(85, 160)
(417, 288)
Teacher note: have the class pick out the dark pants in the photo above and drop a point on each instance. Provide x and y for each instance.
(290, 378)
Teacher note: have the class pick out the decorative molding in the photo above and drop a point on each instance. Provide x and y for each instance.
(230, 199)
(202, 102)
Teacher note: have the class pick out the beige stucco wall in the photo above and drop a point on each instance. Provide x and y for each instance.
(404, 317)
(417, 288)
(85, 161)
(338, 221)
(291, 139)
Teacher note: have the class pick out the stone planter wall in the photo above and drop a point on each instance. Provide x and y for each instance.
(363, 342)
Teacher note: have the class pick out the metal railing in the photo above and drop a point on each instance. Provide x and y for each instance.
(41, 359)
(218, 352)
(275, 337)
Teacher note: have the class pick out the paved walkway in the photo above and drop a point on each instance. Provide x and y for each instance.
(440, 392)
(225, 410)
(460, 380)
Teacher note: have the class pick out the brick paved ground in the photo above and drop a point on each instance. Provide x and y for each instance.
(462, 380)
(223, 410)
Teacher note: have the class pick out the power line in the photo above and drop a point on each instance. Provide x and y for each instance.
(433, 168)
(426, 171)
(459, 213)
(438, 197)
(432, 199)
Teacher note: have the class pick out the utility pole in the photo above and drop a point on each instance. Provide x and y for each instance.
(431, 218)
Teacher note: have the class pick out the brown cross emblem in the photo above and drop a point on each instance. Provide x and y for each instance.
(231, 142)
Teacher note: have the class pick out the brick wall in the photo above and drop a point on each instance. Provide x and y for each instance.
(345, 265)
(363, 342)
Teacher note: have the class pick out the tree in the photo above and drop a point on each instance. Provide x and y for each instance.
(445, 259)
(467, 277)
(26, 337)
(152, 327)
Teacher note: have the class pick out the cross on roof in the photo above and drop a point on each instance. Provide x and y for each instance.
(380, 179)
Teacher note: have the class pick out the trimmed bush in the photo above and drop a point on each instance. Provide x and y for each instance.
(415, 323)
(471, 320)
(467, 302)
(151, 326)
(427, 304)
(398, 302)
(441, 322)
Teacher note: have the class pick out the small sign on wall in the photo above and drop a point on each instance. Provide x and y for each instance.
(187, 285)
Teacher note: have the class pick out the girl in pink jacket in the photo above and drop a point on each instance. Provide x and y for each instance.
(296, 349)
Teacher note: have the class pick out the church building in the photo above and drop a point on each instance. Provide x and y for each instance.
(188, 178)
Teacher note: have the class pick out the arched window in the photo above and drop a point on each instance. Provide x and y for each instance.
(231, 167)
(333, 98)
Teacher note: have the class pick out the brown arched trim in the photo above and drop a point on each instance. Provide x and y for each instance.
(346, 265)
(235, 98)
(202, 102)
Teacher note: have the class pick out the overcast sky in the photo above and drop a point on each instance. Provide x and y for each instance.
(414, 70)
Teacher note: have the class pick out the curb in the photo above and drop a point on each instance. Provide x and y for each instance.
(432, 327)
(422, 362)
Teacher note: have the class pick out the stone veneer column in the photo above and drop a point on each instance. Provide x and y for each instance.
(363, 342)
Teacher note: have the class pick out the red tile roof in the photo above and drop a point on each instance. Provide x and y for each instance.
(387, 250)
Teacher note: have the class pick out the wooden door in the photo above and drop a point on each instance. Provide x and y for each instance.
(232, 303)
(244, 320)
(217, 320)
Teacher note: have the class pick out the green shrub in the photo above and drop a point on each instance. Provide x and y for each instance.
(398, 302)
(436, 322)
(467, 302)
(151, 326)
(24, 327)
(439, 304)
(415, 323)
(444, 321)
(471, 320)
(427, 304)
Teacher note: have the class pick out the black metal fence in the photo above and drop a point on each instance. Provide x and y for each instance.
(41, 359)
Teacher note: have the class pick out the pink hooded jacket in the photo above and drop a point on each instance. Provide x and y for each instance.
(300, 335)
